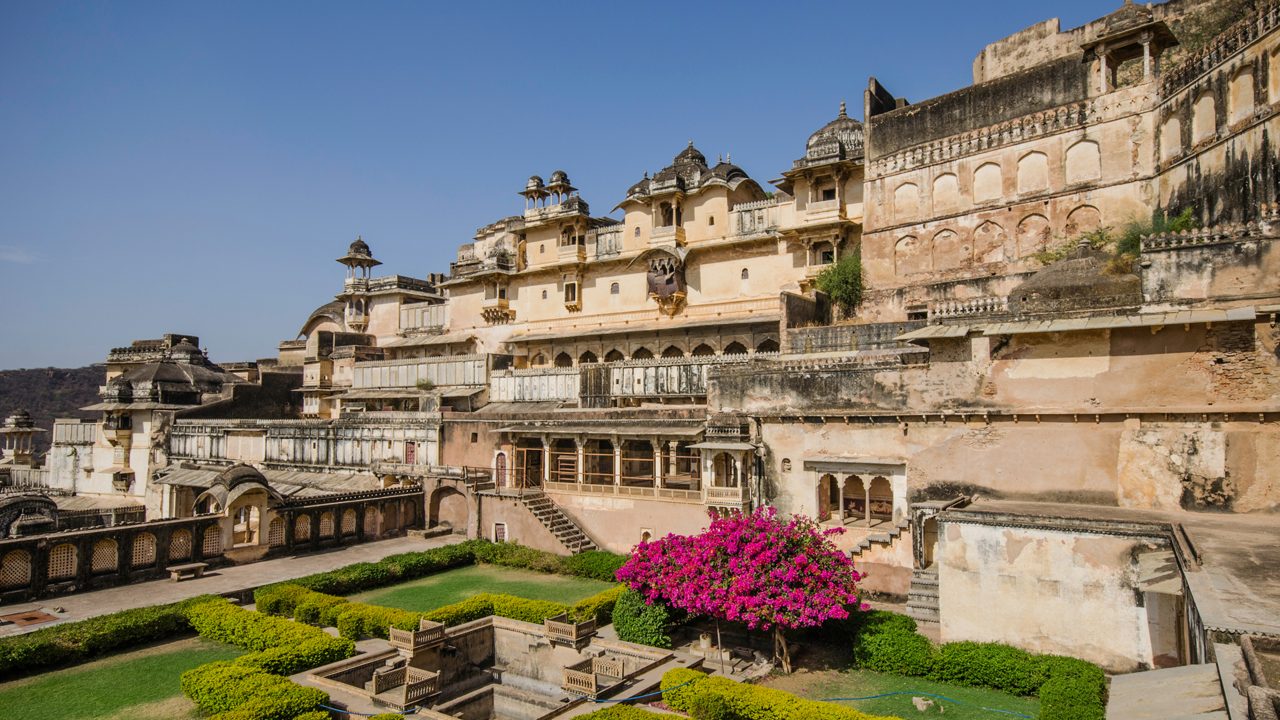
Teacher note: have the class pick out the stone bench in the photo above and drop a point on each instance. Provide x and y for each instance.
(178, 572)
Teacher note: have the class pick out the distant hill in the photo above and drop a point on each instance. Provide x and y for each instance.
(49, 393)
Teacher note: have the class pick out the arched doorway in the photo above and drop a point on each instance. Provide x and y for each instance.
(854, 498)
(929, 541)
(450, 508)
(245, 529)
(828, 496)
(880, 498)
(500, 469)
(724, 471)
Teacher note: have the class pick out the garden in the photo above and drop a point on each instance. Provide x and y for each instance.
(754, 573)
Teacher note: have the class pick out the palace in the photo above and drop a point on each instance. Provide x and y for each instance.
(1049, 420)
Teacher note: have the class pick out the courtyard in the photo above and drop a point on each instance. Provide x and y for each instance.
(453, 586)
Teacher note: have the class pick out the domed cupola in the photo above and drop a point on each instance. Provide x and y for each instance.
(691, 156)
(840, 139)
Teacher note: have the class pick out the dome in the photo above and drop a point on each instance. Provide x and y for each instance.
(559, 177)
(19, 418)
(691, 155)
(841, 139)
(535, 183)
(359, 247)
(185, 352)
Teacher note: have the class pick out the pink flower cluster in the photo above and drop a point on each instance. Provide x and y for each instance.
(754, 568)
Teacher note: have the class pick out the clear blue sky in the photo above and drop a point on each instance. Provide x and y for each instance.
(196, 167)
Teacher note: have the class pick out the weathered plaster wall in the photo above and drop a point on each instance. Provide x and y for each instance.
(1046, 591)
(616, 523)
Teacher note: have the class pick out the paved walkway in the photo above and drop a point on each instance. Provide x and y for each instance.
(226, 580)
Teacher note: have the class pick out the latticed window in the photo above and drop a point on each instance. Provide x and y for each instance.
(370, 521)
(302, 528)
(326, 525)
(62, 562)
(275, 532)
(212, 544)
(105, 556)
(349, 522)
(15, 569)
(180, 545)
(144, 550)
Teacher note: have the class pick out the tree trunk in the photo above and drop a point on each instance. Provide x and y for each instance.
(780, 652)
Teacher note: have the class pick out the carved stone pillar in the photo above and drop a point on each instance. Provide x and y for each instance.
(657, 462)
(582, 458)
(617, 462)
(840, 499)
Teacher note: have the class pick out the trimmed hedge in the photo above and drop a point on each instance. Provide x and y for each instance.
(640, 623)
(595, 564)
(285, 647)
(239, 692)
(79, 641)
(625, 712)
(1068, 688)
(690, 691)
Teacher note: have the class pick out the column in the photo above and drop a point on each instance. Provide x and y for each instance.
(617, 462)
(546, 460)
(1147, 69)
(737, 471)
(582, 457)
(1102, 69)
(866, 504)
(840, 498)
(673, 447)
(657, 462)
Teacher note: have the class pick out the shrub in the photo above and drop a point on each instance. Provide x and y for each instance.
(385, 716)
(599, 606)
(843, 282)
(1075, 690)
(532, 611)
(359, 620)
(898, 652)
(319, 609)
(991, 665)
(638, 622)
(79, 641)
(510, 554)
(473, 608)
(595, 564)
(247, 693)
(290, 659)
(279, 599)
(292, 646)
(746, 702)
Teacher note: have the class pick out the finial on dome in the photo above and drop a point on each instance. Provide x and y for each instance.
(842, 110)
(728, 158)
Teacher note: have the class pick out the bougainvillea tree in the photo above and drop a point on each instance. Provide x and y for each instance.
(755, 568)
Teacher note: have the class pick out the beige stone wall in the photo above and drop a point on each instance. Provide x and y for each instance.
(616, 523)
(1045, 591)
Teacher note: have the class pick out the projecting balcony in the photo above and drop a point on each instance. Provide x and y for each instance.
(667, 235)
(735, 497)
(573, 253)
(823, 211)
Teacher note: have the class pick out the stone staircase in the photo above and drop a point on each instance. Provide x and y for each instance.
(1190, 692)
(922, 598)
(557, 522)
(881, 538)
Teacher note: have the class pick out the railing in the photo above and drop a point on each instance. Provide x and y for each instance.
(428, 633)
(420, 684)
(754, 217)
(581, 682)
(386, 678)
(535, 384)
(561, 629)
(408, 373)
(607, 241)
(822, 206)
(1226, 44)
(663, 233)
(992, 305)
(726, 495)
(356, 285)
(608, 667)
(666, 493)
(573, 251)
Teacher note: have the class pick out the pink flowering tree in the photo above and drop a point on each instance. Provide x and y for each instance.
(754, 568)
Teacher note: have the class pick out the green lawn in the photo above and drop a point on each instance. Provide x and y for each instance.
(829, 684)
(449, 587)
(137, 685)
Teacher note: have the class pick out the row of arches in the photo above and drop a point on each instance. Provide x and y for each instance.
(854, 498)
(1082, 162)
(64, 559)
(588, 357)
(1186, 128)
(989, 243)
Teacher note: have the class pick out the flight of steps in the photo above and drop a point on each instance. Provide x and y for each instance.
(1190, 692)
(881, 538)
(922, 598)
(558, 522)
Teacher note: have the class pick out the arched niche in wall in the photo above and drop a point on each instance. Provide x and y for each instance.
(1240, 99)
(1203, 121)
(988, 183)
(910, 255)
(1170, 138)
(946, 193)
(906, 201)
(1033, 172)
(1033, 234)
(989, 241)
(1083, 219)
(950, 250)
(1084, 162)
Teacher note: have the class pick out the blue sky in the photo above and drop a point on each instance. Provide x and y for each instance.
(196, 167)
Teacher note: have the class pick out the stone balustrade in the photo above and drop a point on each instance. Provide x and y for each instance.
(971, 307)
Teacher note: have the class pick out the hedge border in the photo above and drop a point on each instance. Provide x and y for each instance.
(714, 696)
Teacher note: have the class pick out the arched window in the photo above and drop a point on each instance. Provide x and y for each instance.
(745, 274)
(768, 345)
(672, 352)
(614, 356)
(703, 350)
(563, 360)
(614, 289)
(544, 294)
(735, 348)
(587, 358)
(641, 354)
(667, 214)
(637, 232)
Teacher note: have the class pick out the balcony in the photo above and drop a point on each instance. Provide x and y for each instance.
(754, 218)
(823, 211)
(354, 285)
(560, 629)
(666, 235)
(573, 252)
(428, 634)
(735, 497)
(606, 241)
(496, 310)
